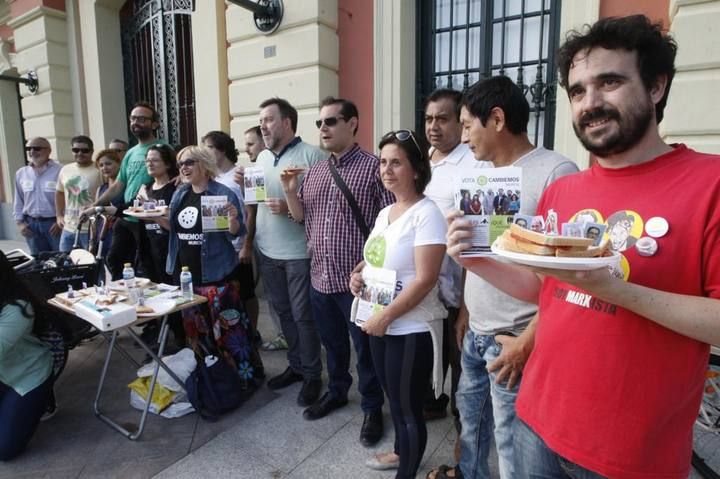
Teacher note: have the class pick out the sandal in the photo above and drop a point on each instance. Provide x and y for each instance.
(445, 472)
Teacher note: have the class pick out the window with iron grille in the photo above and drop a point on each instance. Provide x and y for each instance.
(461, 41)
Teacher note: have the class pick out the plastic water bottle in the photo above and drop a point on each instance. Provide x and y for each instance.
(129, 280)
(186, 286)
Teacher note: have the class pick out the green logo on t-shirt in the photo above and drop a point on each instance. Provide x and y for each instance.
(375, 251)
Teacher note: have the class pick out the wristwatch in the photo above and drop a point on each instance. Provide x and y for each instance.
(99, 209)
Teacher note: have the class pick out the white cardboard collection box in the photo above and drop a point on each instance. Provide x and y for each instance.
(105, 317)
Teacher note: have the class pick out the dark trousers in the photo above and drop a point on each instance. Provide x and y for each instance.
(129, 245)
(332, 317)
(20, 416)
(404, 365)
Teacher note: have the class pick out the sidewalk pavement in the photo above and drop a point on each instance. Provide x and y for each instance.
(265, 438)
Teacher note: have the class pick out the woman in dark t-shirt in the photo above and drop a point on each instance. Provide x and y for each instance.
(205, 246)
(161, 166)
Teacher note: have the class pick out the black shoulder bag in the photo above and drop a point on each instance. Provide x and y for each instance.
(351, 201)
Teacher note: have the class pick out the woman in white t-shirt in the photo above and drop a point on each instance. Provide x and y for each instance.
(409, 240)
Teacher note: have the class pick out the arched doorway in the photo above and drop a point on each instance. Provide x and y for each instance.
(158, 63)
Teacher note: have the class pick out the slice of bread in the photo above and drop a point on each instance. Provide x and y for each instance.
(591, 252)
(547, 240)
(508, 242)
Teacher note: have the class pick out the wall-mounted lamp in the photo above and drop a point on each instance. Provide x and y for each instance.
(266, 13)
(31, 81)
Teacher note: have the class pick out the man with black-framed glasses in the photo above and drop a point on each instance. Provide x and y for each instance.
(336, 231)
(128, 244)
(76, 187)
(34, 206)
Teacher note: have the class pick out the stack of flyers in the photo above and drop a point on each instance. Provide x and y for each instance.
(254, 185)
(378, 292)
(489, 197)
(214, 217)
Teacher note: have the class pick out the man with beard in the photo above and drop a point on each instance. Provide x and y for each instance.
(281, 248)
(614, 392)
(34, 207)
(127, 240)
(333, 231)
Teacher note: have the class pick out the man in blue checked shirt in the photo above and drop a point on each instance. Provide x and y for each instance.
(335, 239)
(34, 208)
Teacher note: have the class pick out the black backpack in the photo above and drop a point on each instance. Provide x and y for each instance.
(216, 389)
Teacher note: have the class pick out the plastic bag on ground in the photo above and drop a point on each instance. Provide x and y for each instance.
(181, 363)
(161, 397)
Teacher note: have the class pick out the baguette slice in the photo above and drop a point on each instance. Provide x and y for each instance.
(508, 242)
(547, 240)
(144, 309)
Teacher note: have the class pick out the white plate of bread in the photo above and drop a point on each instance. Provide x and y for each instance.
(532, 248)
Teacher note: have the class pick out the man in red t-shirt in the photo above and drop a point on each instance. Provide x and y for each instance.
(615, 379)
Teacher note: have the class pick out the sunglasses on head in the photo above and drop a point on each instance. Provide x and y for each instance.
(80, 150)
(35, 148)
(188, 162)
(403, 135)
(329, 121)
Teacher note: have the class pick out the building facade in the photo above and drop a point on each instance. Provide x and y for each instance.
(206, 66)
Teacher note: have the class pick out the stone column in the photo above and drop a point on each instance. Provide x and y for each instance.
(689, 116)
(299, 62)
(41, 43)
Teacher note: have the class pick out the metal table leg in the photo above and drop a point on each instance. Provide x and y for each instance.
(164, 328)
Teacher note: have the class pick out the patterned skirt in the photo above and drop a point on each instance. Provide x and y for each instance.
(222, 327)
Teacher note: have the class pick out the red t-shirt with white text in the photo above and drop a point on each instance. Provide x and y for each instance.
(604, 387)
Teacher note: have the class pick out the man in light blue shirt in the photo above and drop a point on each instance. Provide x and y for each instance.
(34, 208)
(282, 249)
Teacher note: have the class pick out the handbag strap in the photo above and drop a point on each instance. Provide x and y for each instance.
(351, 201)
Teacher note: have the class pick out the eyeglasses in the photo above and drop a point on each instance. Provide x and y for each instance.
(35, 148)
(80, 150)
(188, 162)
(139, 118)
(329, 121)
(403, 135)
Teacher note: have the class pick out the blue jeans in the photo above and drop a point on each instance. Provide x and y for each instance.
(41, 240)
(67, 240)
(482, 403)
(20, 416)
(533, 459)
(332, 318)
(287, 284)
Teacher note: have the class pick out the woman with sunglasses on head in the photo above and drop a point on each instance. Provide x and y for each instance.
(221, 325)
(26, 364)
(409, 239)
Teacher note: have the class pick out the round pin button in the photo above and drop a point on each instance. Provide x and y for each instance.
(657, 227)
(646, 246)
